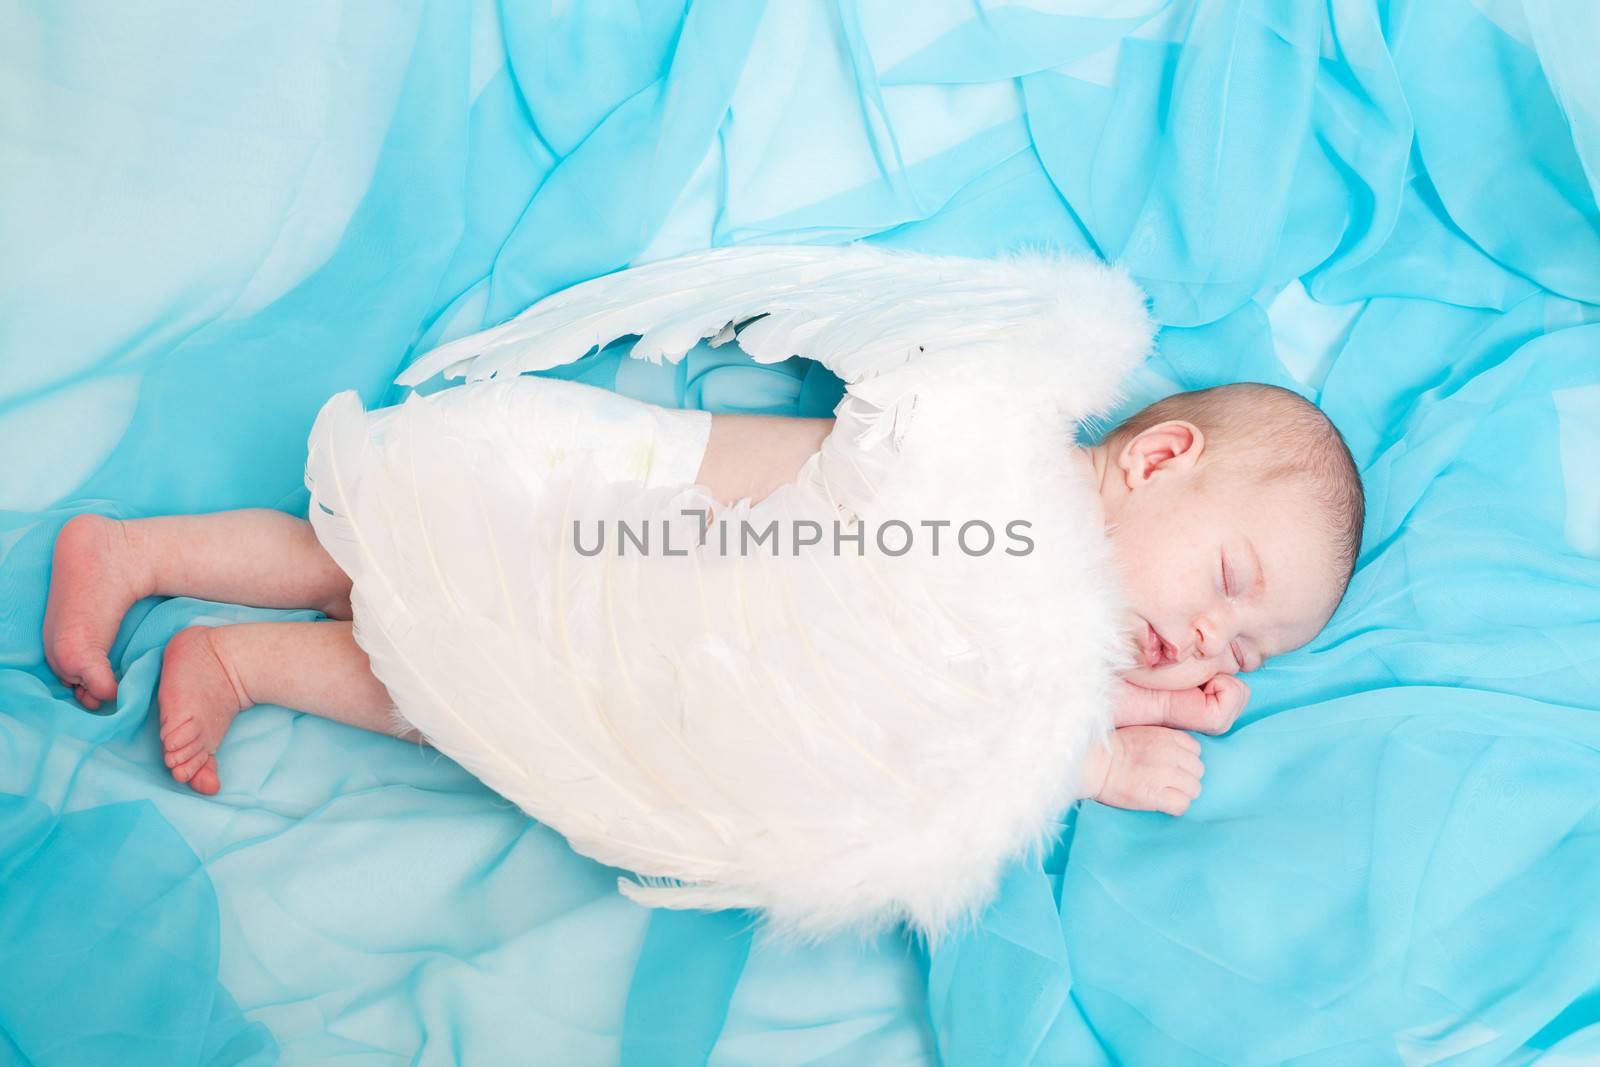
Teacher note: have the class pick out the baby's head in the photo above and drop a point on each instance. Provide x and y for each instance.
(1236, 515)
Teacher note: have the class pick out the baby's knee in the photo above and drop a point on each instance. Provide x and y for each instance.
(338, 608)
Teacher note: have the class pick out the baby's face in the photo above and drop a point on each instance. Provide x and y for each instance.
(1218, 579)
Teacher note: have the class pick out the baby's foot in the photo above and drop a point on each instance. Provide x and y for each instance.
(1148, 768)
(95, 577)
(199, 698)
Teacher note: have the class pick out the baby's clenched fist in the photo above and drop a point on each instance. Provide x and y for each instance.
(1210, 708)
(1147, 768)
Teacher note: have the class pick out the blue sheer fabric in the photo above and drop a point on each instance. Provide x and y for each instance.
(215, 218)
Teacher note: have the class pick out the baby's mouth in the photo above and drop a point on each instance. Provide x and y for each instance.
(1155, 648)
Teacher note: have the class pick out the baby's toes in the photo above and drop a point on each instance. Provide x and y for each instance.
(99, 682)
(181, 742)
(185, 769)
(177, 755)
(205, 780)
(179, 733)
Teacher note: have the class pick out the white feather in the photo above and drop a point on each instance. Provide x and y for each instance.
(859, 310)
(842, 742)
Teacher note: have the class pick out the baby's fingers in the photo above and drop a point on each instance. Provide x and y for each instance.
(1178, 783)
(1224, 697)
(1175, 800)
(1195, 708)
(1190, 764)
(1229, 690)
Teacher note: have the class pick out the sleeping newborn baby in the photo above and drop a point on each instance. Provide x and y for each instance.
(1235, 513)
(837, 737)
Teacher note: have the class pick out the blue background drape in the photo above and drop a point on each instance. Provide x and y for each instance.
(212, 217)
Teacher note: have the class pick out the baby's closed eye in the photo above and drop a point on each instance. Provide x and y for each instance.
(1241, 661)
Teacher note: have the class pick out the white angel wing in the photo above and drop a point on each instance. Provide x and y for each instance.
(843, 739)
(1062, 329)
(834, 737)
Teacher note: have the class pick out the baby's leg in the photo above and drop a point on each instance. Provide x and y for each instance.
(210, 674)
(253, 556)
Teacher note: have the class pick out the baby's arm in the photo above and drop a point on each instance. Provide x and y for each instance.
(1210, 708)
(1149, 762)
(1148, 766)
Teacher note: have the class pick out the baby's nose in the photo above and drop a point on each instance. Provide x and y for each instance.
(1201, 645)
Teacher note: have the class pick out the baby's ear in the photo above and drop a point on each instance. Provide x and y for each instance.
(1174, 446)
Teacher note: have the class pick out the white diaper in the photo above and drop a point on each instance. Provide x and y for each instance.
(631, 440)
(550, 421)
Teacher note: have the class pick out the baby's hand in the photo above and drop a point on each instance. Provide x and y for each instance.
(1149, 768)
(1208, 709)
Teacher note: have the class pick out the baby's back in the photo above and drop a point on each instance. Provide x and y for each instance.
(752, 455)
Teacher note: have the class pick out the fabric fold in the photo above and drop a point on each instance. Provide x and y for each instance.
(213, 225)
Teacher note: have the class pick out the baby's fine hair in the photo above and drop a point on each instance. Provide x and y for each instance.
(1280, 435)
